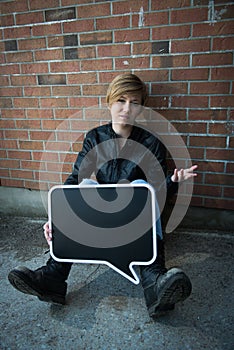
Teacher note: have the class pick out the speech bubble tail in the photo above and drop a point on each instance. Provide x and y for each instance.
(126, 271)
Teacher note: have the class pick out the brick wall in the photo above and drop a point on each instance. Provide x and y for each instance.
(58, 57)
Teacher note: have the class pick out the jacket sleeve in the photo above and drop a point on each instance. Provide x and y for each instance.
(158, 180)
(84, 164)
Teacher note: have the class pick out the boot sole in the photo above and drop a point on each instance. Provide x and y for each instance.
(20, 282)
(176, 289)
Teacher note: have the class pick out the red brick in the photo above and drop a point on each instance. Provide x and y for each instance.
(228, 13)
(28, 124)
(39, 113)
(208, 141)
(210, 88)
(170, 4)
(230, 168)
(189, 15)
(11, 91)
(71, 136)
(32, 185)
(55, 41)
(19, 57)
(218, 128)
(18, 32)
(37, 91)
(96, 65)
(7, 20)
(214, 29)
(219, 154)
(42, 135)
(164, 61)
(31, 145)
(22, 174)
(190, 74)
(83, 101)
(229, 192)
(130, 6)
(83, 125)
(114, 50)
(5, 102)
(46, 29)
(31, 44)
(226, 73)
(16, 134)
(86, 52)
(81, 25)
(65, 90)
(190, 101)
(69, 66)
(95, 89)
(48, 176)
(42, 4)
(26, 102)
(97, 10)
(155, 102)
(221, 44)
(19, 6)
(208, 166)
(156, 75)
(113, 22)
(9, 69)
(34, 68)
(152, 19)
(132, 35)
(81, 78)
(4, 80)
(7, 124)
(212, 191)
(173, 114)
(13, 113)
(32, 165)
(191, 128)
(96, 38)
(196, 153)
(212, 59)
(58, 146)
(190, 45)
(54, 102)
(170, 32)
(144, 48)
(169, 88)
(49, 55)
(12, 183)
(29, 18)
(132, 63)
(74, 2)
(19, 154)
(220, 179)
(45, 156)
(23, 80)
(50, 124)
(214, 114)
(221, 101)
(8, 144)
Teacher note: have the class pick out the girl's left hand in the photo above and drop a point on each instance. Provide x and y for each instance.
(184, 174)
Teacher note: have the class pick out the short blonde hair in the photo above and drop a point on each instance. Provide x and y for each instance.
(125, 84)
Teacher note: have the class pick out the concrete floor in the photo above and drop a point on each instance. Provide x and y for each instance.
(105, 311)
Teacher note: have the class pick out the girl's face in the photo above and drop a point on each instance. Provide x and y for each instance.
(125, 110)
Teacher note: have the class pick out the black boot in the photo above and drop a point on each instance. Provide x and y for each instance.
(47, 282)
(163, 288)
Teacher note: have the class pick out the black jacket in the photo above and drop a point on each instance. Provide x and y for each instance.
(142, 157)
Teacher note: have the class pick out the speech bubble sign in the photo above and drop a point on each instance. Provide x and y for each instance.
(105, 224)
